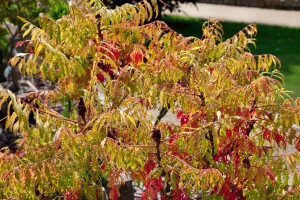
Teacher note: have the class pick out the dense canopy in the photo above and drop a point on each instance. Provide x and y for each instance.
(113, 67)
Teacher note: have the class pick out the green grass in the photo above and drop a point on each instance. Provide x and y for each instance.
(283, 42)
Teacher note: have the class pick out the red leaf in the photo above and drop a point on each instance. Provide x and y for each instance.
(184, 156)
(236, 129)
(144, 195)
(22, 43)
(173, 137)
(225, 191)
(159, 184)
(248, 75)
(149, 166)
(141, 101)
(228, 133)
(222, 109)
(31, 50)
(267, 134)
(137, 57)
(128, 59)
(184, 120)
(271, 175)
(103, 167)
(100, 77)
(153, 187)
(211, 70)
(114, 193)
(230, 191)
(179, 195)
(149, 193)
(69, 195)
(279, 138)
(236, 159)
(116, 53)
(179, 113)
(217, 156)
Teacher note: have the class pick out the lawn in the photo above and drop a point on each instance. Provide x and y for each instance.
(282, 42)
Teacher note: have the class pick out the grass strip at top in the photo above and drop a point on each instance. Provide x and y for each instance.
(283, 42)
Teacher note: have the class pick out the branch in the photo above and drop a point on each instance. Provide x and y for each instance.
(12, 35)
(201, 96)
(210, 137)
(202, 171)
(156, 136)
(100, 36)
(3, 119)
(163, 3)
(60, 117)
(252, 122)
(293, 190)
(162, 113)
(131, 145)
(31, 164)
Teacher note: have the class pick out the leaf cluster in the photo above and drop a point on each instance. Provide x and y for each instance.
(234, 116)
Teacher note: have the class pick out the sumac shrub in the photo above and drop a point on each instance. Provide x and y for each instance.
(234, 117)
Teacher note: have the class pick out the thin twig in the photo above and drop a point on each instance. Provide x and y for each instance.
(3, 119)
(203, 171)
(31, 164)
(130, 145)
(60, 117)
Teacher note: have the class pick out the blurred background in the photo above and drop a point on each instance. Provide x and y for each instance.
(275, 4)
(278, 23)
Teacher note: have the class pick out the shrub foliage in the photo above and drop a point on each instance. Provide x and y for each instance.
(234, 117)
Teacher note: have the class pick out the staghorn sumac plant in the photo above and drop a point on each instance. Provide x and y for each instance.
(234, 117)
